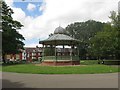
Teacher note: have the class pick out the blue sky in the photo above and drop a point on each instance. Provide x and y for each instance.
(23, 5)
(34, 13)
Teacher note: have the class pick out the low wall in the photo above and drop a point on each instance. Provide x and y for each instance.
(61, 63)
(111, 62)
(61, 58)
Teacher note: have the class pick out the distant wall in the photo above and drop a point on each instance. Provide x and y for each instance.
(111, 62)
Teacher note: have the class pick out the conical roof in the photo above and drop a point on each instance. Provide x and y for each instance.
(60, 38)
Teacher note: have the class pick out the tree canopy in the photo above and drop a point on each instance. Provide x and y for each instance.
(98, 40)
(12, 40)
(84, 31)
(105, 44)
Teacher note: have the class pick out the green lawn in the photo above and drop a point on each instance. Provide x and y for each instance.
(83, 69)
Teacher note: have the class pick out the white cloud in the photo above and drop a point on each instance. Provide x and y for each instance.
(34, 45)
(42, 7)
(19, 14)
(62, 12)
(9, 2)
(31, 7)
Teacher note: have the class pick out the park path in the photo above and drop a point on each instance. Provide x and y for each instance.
(17, 80)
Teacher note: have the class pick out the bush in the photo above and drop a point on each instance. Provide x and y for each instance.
(18, 61)
(23, 61)
(34, 60)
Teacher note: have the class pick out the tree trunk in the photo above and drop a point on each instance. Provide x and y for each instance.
(3, 58)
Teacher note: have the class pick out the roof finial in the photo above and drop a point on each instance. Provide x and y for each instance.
(59, 24)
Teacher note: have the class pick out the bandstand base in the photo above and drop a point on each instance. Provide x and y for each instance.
(57, 63)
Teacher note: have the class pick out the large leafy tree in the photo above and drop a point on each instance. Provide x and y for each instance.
(101, 43)
(115, 21)
(83, 31)
(12, 40)
(0, 31)
(106, 43)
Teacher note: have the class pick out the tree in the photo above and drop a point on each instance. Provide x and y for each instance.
(115, 21)
(106, 43)
(83, 31)
(101, 43)
(12, 40)
(0, 31)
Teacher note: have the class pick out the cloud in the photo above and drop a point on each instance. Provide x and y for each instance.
(9, 2)
(31, 7)
(42, 7)
(62, 12)
(33, 45)
(19, 14)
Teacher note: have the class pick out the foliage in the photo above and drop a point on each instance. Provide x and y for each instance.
(105, 44)
(83, 31)
(116, 25)
(0, 16)
(12, 40)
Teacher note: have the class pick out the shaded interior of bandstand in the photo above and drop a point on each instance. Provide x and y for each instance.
(60, 54)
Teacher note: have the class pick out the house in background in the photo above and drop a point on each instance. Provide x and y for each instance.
(33, 53)
(28, 54)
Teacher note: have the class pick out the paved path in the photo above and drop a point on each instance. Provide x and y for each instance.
(17, 80)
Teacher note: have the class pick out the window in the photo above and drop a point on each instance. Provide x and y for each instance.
(33, 57)
(39, 54)
(17, 56)
(33, 54)
(8, 57)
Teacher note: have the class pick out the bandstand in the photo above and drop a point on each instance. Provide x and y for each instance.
(60, 49)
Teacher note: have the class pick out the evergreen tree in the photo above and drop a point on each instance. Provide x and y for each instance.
(12, 40)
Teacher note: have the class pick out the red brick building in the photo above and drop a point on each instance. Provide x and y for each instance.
(29, 54)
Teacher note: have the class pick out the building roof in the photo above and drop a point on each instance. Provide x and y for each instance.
(33, 49)
(60, 37)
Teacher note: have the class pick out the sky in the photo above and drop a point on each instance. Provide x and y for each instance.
(41, 17)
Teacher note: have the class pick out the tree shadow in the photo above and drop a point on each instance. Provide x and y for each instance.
(9, 84)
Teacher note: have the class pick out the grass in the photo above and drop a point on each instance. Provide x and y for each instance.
(83, 69)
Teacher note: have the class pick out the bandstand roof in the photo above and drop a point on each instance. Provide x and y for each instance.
(59, 30)
(60, 39)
